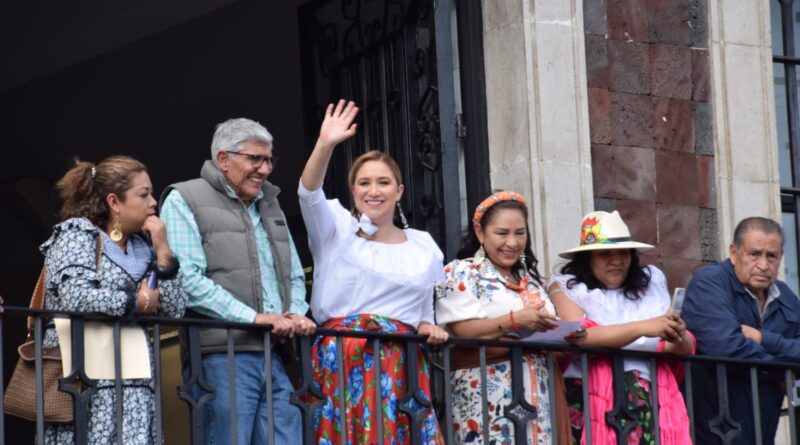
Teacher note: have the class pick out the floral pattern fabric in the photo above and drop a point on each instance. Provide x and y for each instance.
(76, 282)
(637, 391)
(359, 359)
(474, 289)
(468, 406)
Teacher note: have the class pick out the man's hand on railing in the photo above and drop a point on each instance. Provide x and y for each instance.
(281, 325)
(302, 325)
(435, 334)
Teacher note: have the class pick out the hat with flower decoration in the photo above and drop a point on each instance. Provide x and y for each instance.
(604, 231)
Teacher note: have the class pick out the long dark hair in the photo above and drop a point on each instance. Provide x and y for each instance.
(636, 281)
(471, 244)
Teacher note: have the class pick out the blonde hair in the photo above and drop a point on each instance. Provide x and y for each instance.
(374, 155)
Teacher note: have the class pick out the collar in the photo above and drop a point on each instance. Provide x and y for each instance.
(772, 294)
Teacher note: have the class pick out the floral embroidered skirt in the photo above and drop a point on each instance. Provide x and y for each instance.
(358, 359)
(468, 406)
(638, 393)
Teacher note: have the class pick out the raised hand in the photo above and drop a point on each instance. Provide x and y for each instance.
(338, 124)
(337, 127)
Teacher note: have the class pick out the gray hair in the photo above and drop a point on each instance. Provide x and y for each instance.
(233, 133)
(765, 225)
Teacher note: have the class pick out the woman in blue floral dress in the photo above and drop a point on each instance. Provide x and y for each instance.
(98, 260)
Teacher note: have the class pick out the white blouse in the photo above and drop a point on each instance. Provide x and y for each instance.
(353, 275)
(609, 307)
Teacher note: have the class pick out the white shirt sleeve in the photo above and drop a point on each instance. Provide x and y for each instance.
(318, 217)
(455, 297)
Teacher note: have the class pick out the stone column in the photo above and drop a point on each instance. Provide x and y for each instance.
(537, 115)
(744, 114)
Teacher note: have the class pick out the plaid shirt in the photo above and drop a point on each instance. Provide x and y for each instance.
(206, 296)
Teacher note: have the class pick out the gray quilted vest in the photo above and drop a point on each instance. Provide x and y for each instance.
(229, 244)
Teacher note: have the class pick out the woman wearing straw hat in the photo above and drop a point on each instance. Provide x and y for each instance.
(495, 292)
(623, 305)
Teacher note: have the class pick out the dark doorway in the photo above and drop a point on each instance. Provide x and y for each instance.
(151, 80)
(107, 81)
(396, 60)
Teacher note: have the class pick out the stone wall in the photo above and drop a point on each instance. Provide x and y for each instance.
(538, 122)
(650, 118)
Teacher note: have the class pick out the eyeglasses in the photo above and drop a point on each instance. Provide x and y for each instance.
(255, 160)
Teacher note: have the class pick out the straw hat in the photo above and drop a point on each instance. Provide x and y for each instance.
(604, 231)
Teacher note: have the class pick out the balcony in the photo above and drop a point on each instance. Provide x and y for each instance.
(179, 414)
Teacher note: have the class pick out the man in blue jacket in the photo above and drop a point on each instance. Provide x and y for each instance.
(739, 309)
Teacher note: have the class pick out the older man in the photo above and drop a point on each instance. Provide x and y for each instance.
(739, 309)
(239, 263)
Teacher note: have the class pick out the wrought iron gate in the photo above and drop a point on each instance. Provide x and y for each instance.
(383, 55)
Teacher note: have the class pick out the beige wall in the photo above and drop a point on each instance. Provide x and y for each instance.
(743, 104)
(538, 115)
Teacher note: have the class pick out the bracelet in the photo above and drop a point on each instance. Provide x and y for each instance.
(514, 324)
(169, 272)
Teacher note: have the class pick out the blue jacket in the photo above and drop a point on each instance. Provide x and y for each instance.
(716, 306)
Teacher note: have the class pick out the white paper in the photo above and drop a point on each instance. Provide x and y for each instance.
(555, 335)
(98, 346)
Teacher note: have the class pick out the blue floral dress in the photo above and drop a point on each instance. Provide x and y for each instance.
(76, 282)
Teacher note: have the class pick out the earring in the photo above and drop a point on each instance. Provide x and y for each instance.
(480, 255)
(522, 259)
(402, 216)
(116, 232)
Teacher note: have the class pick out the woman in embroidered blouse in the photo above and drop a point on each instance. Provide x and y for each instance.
(494, 293)
(369, 275)
(98, 261)
(624, 305)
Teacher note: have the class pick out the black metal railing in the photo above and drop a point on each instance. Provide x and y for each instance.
(519, 412)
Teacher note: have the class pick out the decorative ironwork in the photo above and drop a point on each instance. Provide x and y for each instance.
(414, 404)
(382, 55)
(520, 412)
(621, 417)
(724, 425)
(345, 29)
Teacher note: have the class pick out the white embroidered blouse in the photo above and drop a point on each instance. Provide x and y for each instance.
(610, 306)
(353, 275)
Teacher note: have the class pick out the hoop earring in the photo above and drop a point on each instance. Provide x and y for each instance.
(402, 215)
(116, 231)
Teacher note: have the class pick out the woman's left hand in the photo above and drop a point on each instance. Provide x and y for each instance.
(435, 334)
